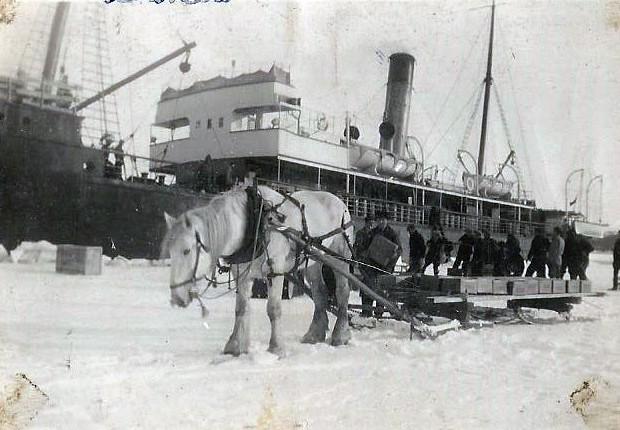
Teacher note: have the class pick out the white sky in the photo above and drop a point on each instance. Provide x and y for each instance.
(555, 67)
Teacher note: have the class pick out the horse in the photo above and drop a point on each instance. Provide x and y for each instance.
(200, 237)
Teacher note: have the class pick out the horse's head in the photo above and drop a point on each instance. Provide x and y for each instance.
(190, 256)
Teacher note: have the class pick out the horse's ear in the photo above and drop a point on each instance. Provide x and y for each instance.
(170, 220)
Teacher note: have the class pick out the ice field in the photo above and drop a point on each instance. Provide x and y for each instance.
(110, 353)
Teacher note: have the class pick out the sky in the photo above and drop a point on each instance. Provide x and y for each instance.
(554, 69)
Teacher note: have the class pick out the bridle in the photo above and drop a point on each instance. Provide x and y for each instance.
(199, 247)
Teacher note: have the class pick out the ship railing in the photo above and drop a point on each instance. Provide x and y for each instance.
(421, 215)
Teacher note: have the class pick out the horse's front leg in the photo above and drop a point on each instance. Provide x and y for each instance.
(239, 341)
(274, 311)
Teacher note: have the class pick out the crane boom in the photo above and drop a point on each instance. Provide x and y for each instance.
(187, 47)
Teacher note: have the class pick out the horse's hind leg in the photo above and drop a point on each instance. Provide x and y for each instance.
(341, 334)
(239, 341)
(319, 324)
(274, 311)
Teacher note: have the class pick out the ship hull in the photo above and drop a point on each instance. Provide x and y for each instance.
(45, 194)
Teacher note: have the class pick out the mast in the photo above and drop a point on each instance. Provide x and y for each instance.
(488, 80)
(54, 43)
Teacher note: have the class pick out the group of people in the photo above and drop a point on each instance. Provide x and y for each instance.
(547, 255)
(478, 254)
(481, 255)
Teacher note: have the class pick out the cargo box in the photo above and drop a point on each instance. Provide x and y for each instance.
(523, 286)
(572, 285)
(382, 251)
(457, 285)
(500, 285)
(558, 286)
(81, 260)
(429, 283)
(545, 286)
(586, 286)
(484, 285)
(455, 272)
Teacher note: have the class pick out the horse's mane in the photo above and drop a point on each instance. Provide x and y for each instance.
(212, 221)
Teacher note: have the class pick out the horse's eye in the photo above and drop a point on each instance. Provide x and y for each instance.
(186, 251)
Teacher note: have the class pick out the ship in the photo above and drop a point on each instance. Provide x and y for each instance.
(252, 128)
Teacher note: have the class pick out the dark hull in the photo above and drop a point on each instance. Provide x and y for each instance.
(46, 194)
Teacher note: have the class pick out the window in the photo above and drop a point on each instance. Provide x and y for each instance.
(220, 122)
(209, 123)
(198, 124)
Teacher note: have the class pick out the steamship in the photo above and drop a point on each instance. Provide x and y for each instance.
(253, 128)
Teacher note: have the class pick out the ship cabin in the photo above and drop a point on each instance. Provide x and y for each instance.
(254, 127)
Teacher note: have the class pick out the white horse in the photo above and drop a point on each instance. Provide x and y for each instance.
(198, 238)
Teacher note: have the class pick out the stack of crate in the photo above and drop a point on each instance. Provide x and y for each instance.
(500, 285)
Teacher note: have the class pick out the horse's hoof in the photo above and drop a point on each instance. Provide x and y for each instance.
(342, 339)
(234, 348)
(277, 350)
(312, 338)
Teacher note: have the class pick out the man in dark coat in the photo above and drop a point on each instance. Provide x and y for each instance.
(616, 261)
(488, 254)
(466, 249)
(360, 253)
(476, 259)
(577, 251)
(514, 261)
(571, 253)
(538, 255)
(382, 229)
(435, 251)
(417, 249)
(585, 248)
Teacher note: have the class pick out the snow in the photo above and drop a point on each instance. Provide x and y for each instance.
(111, 353)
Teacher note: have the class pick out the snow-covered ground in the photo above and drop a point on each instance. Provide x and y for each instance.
(111, 353)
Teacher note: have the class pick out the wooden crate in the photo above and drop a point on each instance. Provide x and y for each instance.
(80, 260)
(429, 283)
(500, 285)
(455, 272)
(545, 286)
(523, 286)
(457, 285)
(572, 285)
(586, 286)
(382, 251)
(558, 286)
(484, 285)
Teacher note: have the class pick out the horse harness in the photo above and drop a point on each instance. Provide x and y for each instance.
(301, 254)
(256, 242)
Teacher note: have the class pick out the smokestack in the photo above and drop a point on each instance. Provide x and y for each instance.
(394, 128)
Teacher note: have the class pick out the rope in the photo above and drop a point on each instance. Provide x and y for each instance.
(456, 80)
(472, 118)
